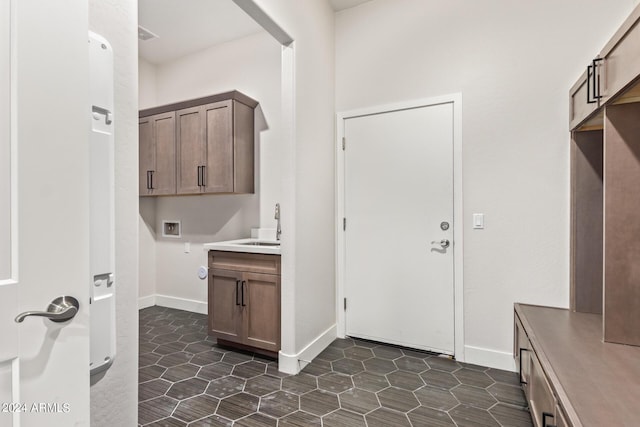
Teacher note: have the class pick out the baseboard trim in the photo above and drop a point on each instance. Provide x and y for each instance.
(148, 301)
(294, 363)
(180, 303)
(491, 358)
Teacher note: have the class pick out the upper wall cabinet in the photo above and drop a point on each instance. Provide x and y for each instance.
(215, 148)
(582, 100)
(157, 168)
(607, 76)
(621, 58)
(605, 196)
(213, 145)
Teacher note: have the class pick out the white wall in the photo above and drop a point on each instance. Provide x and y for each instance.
(147, 84)
(513, 62)
(114, 396)
(308, 258)
(252, 66)
(147, 216)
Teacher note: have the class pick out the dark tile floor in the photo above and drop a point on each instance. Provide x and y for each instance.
(187, 380)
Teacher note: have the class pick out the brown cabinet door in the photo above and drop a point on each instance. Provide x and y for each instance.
(522, 353)
(561, 420)
(146, 155)
(157, 150)
(218, 169)
(261, 310)
(621, 64)
(190, 143)
(225, 305)
(243, 146)
(542, 402)
(579, 108)
(164, 176)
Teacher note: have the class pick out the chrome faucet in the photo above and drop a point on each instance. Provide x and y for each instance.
(278, 228)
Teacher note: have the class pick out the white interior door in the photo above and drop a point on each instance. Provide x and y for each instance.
(44, 224)
(398, 194)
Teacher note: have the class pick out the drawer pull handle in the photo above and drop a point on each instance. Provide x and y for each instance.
(520, 371)
(546, 415)
(593, 86)
(243, 283)
(237, 292)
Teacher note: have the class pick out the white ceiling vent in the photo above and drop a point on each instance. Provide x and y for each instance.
(144, 34)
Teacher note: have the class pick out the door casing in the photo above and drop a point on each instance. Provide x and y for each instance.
(458, 223)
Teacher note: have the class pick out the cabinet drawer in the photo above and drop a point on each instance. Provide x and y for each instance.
(238, 261)
(542, 402)
(579, 108)
(621, 60)
(561, 418)
(522, 354)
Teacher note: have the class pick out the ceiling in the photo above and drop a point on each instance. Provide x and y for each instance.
(339, 5)
(184, 27)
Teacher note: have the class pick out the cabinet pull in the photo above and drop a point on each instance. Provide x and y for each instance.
(148, 181)
(151, 174)
(593, 82)
(243, 283)
(204, 180)
(520, 370)
(546, 415)
(237, 292)
(199, 181)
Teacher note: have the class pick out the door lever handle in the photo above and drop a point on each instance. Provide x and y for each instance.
(61, 309)
(444, 243)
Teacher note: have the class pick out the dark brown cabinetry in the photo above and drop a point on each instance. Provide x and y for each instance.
(157, 150)
(605, 195)
(244, 300)
(215, 148)
(609, 74)
(209, 145)
(574, 377)
(573, 369)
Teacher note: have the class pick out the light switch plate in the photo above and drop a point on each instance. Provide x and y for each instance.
(478, 221)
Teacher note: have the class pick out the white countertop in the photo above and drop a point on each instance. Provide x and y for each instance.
(241, 245)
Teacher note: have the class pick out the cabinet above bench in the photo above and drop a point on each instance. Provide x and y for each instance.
(199, 146)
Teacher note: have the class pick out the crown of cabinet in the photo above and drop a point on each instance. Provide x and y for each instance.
(198, 146)
(609, 78)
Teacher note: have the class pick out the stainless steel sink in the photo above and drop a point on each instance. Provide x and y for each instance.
(260, 244)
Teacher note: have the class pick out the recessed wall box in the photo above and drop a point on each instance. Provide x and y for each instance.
(171, 229)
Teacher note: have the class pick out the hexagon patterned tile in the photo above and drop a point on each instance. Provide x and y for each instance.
(186, 379)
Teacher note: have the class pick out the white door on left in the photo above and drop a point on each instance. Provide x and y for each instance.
(44, 224)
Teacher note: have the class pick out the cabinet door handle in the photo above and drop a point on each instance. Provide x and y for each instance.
(151, 174)
(148, 180)
(243, 283)
(204, 180)
(520, 370)
(237, 292)
(199, 181)
(546, 415)
(593, 82)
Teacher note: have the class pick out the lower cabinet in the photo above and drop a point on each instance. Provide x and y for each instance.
(542, 402)
(244, 300)
(543, 405)
(561, 419)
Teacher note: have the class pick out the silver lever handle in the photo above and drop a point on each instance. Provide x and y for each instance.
(61, 309)
(444, 243)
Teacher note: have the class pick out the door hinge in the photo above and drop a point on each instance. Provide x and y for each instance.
(344, 143)
(344, 223)
(345, 304)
